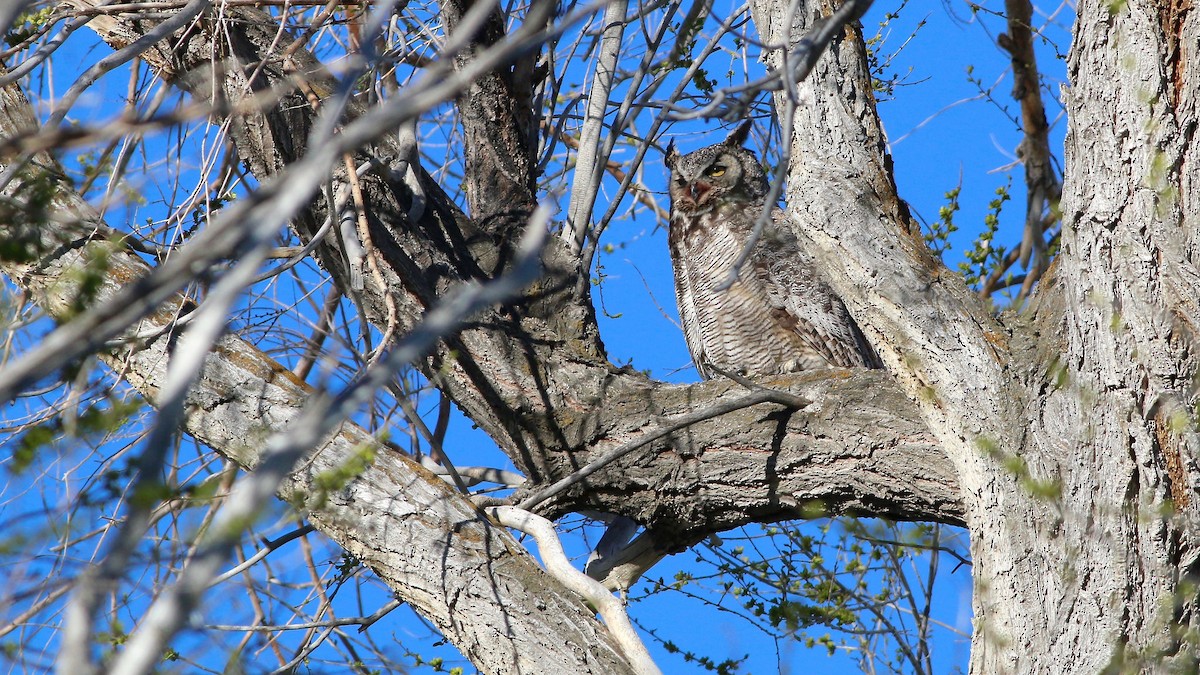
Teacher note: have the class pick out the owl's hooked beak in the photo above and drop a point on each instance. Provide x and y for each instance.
(698, 191)
(691, 197)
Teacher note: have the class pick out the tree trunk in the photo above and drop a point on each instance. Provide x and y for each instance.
(1065, 437)
(1072, 425)
(1116, 432)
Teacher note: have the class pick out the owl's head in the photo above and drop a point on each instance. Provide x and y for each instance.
(721, 173)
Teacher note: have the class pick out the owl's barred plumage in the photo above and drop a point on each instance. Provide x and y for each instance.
(779, 316)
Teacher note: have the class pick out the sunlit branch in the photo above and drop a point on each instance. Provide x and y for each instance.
(610, 608)
(641, 193)
(590, 160)
(323, 414)
(474, 475)
(269, 547)
(52, 596)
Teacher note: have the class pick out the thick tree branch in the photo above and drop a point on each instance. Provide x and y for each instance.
(426, 541)
(930, 331)
(534, 375)
(498, 123)
(860, 448)
(322, 415)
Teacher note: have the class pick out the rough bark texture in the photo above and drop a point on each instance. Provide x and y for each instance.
(1065, 438)
(534, 375)
(1072, 427)
(1120, 434)
(423, 539)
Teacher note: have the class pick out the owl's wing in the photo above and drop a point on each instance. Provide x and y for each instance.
(806, 299)
(686, 301)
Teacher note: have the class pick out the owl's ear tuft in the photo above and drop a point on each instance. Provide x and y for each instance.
(672, 155)
(740, 135)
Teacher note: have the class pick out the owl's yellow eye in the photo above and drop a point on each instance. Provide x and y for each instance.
(715, 171)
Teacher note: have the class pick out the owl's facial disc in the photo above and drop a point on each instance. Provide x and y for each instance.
(698, 187)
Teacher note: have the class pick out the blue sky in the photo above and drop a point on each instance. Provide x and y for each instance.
(943, 133)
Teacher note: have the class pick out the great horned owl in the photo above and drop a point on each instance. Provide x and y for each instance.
(780, 316)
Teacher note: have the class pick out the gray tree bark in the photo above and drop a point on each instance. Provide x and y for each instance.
(1064, 438)
(1072, 425)
(422, 538)
(552, 412)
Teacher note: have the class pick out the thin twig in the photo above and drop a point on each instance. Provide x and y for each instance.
(269, 546)
(363, 621)
(175, 22)
(1042, 186)
(268, 208)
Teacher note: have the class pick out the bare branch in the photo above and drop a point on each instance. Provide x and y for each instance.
(363, 621)
(239, 383)
(321, 417)
(610, 607)
(160, 32)
(590, 162)
(43, 52)
(642, 194)
(1042, 186)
